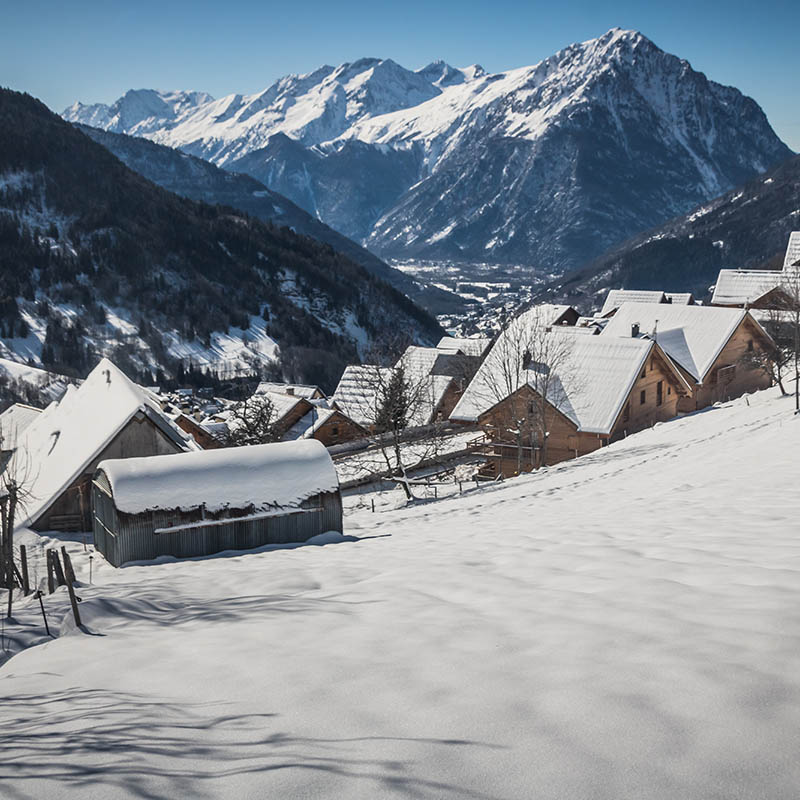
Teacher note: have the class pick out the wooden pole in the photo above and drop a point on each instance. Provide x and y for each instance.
(68, 570)
(74, 601)
(44, 616)
(51, 578)
(57, 567)
(23, 559)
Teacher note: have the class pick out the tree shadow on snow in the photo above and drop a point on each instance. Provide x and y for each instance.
(121, 744)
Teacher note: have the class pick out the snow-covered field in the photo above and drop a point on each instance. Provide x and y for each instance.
(623, 626)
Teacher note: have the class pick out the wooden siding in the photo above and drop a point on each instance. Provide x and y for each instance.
(72, 510)
(721, 383)
(645, 414)
(338, 428)
(132, 537)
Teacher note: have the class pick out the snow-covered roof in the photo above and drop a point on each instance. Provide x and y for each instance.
(262, 476)
(307, 426)
(13, 421)
(471, 346)
(306, 391)
(593, 377)
(740, 286)
(792, 250)
(680, 298)
(693, 336)
(63, 441)
(616, 297)
(358, 392)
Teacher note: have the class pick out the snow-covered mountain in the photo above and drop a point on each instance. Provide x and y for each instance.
(547, 165)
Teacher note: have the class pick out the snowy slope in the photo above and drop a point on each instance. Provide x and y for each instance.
(546, 165)
(622, 626)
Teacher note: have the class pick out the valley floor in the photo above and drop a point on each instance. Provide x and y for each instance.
(623, 626)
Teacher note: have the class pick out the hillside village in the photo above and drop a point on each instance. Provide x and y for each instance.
(553, 385)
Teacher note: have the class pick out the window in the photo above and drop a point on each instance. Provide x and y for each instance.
(669, 390)
(642, 397)
(626, 415)
(750, 345)
(659, 393)
(334, 431)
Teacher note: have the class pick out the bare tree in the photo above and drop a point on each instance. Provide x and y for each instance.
(791, 289)
(252, 421)
(772, 360)
(14, 477)
(398, 403)
(527, 370)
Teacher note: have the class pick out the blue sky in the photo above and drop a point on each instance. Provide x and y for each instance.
(94, 51)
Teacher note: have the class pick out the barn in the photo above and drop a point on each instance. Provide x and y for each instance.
(204, 502)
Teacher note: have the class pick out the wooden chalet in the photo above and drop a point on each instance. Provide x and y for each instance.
(55, 456)
(327, 425)
(616, 297)
(602, 390)
(304, 390)
(709, 345)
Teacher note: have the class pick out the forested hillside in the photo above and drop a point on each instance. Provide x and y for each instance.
(94, 257)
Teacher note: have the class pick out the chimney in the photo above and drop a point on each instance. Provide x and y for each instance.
(290, 390)
(635, 330)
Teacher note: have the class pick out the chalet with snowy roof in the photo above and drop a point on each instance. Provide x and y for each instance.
(473, 347)
(55, 456)
(713, 347)
(435, 380)
(758, 288)
(14, 420)
(196, 504)
(616, 297)
(596, 390)
(358, 393)
(327, 425)
(306, 391)
(749, 288)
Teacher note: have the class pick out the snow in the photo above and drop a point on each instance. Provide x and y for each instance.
(358, 392)
(616, 297)
(303, 390)
(473, 346)
(738, 286)
(61, 443)
(262, 476)
(14, 420)
(792, 250)
(693, 336)
(307, 426)
(573, 633)
(591, 381)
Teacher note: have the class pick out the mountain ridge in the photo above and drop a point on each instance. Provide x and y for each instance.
(546, 166)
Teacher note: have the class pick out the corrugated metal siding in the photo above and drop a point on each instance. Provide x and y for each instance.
(134, 537)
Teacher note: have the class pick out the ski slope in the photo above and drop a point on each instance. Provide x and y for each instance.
(623, 626)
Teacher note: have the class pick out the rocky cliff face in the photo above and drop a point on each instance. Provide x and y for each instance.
(546, 166)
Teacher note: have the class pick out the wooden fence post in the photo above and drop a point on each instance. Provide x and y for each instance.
(57, 567)
(23, 560)
(69, 572)
(51, 573)
(74, 601)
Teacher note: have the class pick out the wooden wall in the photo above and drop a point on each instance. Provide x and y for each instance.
(723, 384)
(72, 510)
(645, 414)
(337, 429)
(131, 537)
